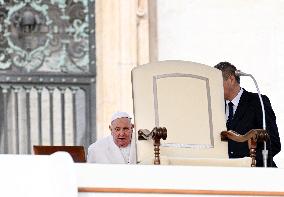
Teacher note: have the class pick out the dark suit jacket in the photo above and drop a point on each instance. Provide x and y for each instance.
(248, 116)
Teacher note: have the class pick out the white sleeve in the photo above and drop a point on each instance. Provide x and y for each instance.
(97, 152)
(91, 158)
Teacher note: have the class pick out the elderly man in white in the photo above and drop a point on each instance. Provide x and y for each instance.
(117, 147)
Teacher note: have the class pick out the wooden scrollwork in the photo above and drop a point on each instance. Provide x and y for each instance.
(253, 137)
(156, 135)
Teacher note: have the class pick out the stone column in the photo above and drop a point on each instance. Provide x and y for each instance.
(119, 32)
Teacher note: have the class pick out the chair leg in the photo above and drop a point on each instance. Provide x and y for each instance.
(252, 147)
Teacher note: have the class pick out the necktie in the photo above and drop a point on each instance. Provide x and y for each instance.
(230, 117)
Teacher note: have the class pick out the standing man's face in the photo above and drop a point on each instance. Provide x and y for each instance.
(226, 85)
(231, 88)
(121, 131)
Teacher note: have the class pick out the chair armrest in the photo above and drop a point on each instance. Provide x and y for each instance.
(253, 137)
(156, 135)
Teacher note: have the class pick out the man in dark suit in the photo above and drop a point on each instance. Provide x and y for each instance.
(243, 112)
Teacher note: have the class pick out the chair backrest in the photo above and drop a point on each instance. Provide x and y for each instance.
(76, 152)
(185, 97)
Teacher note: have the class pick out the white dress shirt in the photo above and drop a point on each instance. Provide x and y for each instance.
(235, 101)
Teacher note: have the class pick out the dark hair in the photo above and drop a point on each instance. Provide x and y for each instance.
(227, 69)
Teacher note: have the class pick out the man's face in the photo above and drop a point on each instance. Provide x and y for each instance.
(230, 85)
(226, 85)
(121, 131)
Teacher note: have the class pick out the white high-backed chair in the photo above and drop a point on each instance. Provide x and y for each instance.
(187, 99)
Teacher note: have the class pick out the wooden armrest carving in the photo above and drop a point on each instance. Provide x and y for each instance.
(156, 135)
(253, 137)
(259, 135)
